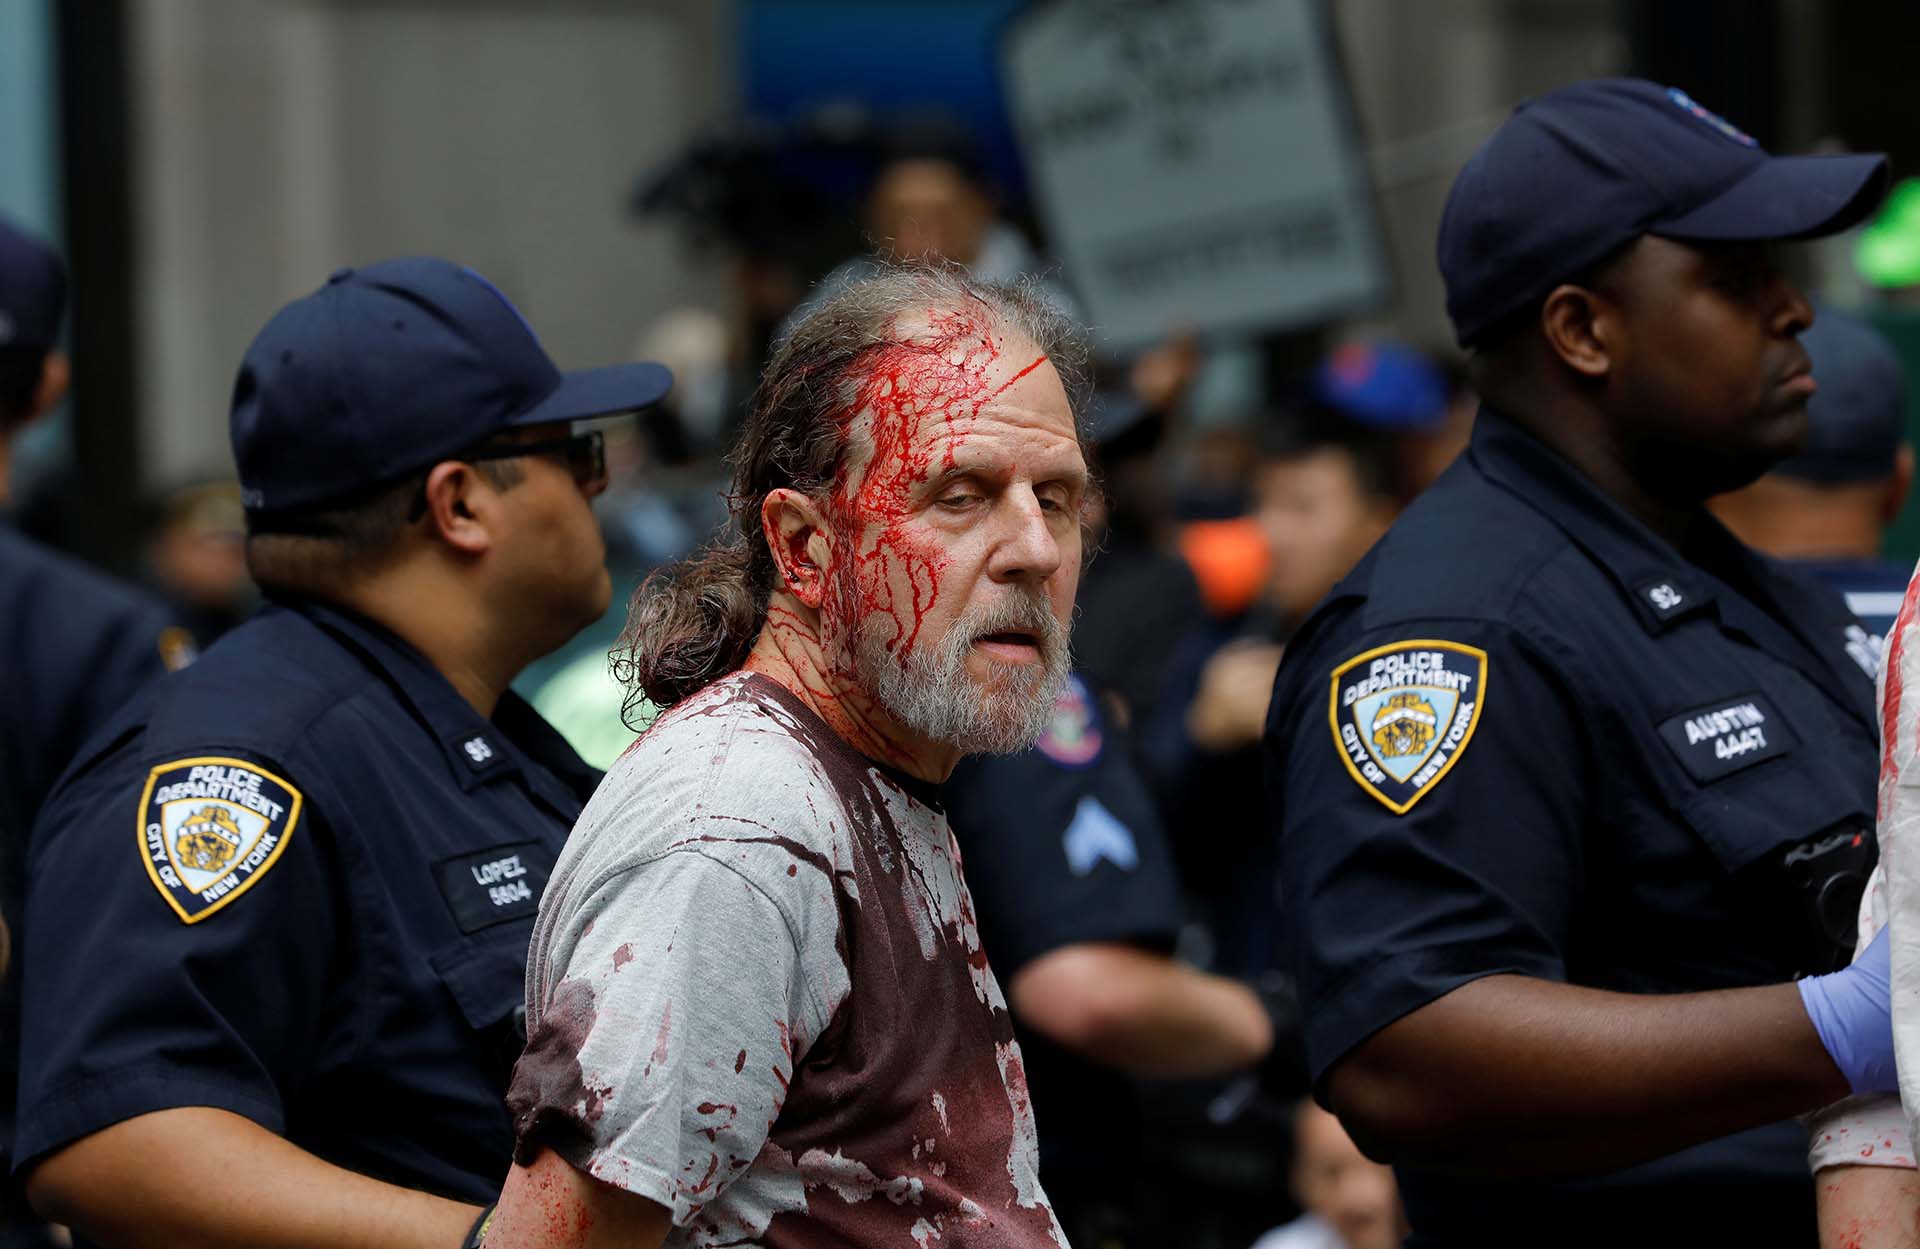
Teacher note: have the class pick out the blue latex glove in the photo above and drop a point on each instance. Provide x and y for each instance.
(1852, 1012)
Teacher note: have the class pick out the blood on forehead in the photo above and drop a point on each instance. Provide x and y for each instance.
(919, 395)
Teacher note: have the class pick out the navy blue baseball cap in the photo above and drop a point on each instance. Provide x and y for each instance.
(1856, 420)
(1578, 173)
(33, 290)
(392, 367)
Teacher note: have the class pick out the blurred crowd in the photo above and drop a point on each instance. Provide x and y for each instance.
(1237, 489)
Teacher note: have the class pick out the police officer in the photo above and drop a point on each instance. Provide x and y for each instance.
(1079, 908)
(1827, 509)
(1569, 782)
(282, 903)
(74, 644)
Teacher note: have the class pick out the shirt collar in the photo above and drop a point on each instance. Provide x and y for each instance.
(477, 750)
(1663, 587)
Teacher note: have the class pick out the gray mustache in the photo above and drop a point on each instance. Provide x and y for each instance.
(1026, 613)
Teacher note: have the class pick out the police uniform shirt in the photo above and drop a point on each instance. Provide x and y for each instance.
(1062, 845)
(296, 882)
(1525, 736)
(74, 646)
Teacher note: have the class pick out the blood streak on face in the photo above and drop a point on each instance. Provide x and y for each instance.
(919, 398)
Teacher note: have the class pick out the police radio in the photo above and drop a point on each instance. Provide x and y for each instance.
(1828, 874)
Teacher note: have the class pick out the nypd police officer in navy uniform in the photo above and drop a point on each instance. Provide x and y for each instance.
(74, 643)
(1569, 784)
(1078, 899)
(280, 907)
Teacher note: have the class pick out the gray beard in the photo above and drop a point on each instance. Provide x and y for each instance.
(934, 695)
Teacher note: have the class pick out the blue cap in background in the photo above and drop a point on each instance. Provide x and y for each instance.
(392, 367)
(1856, 420)
(33, 290)
(1382, 385)
(1578, 173)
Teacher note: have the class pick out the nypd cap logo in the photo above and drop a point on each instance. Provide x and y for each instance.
(1403, 714)
(1688, 104)
(212, 827)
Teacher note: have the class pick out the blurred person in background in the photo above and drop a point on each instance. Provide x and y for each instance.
(760, 197)
(74, 644)
(1138, 598)
(1422, 411)
(1574, 793)
(1079, 908)
(300, 983)
(77, 644)
(197, 558)
(1323, 493)
(1826, 511)
(931, 197)
(1349, 1200)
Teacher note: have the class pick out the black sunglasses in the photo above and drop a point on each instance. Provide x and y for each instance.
(585, 456)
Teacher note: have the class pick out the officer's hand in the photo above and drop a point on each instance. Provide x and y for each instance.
(1852, 1012)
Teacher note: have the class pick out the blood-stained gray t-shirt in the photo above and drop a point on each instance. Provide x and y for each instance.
(756, 995)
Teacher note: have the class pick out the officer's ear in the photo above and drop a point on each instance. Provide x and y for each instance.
(456, 509)
(1578, 324)
(795, 529)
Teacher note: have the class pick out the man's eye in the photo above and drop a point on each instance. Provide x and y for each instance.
(1742, 277)
(964, 499)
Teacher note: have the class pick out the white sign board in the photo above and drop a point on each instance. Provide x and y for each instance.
(1196, 163)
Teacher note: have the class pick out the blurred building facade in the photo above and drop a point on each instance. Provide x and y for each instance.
(276, 140)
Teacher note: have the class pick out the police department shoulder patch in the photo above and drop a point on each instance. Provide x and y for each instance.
(210, 828)
(1072, 737)
(1403, 714)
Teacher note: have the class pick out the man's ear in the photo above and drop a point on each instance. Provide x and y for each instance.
(797, 535)
(1579, 327)
(459, 507)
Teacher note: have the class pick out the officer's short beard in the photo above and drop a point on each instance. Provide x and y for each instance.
(933, 694)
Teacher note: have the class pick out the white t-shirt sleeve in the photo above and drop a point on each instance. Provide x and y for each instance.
(701, 998)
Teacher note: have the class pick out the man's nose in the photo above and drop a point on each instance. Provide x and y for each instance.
(1794, 312)
(1028, 550)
